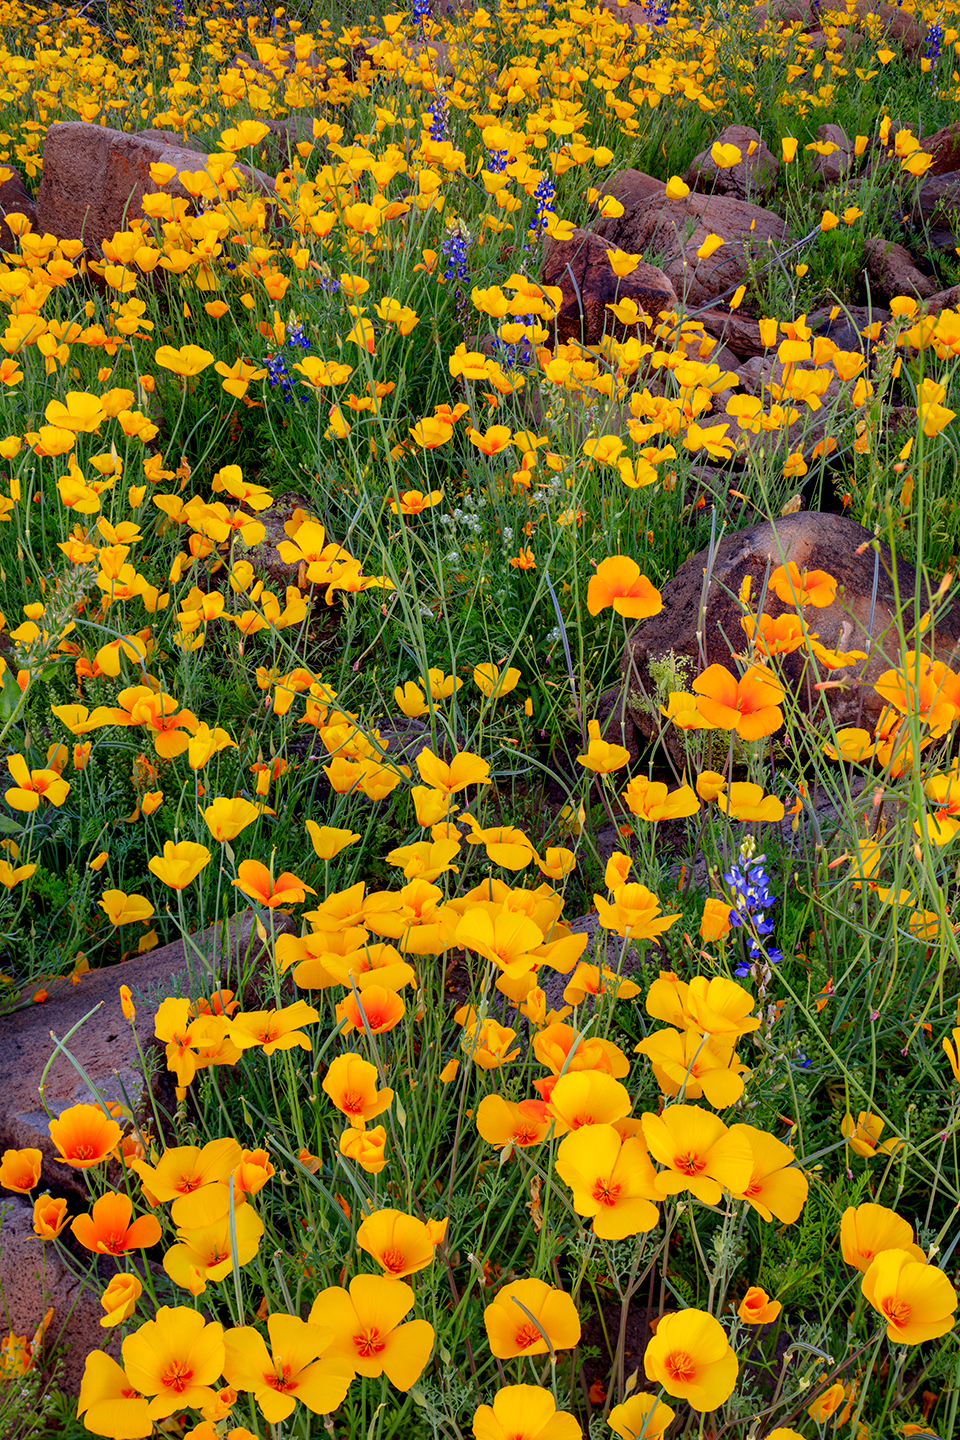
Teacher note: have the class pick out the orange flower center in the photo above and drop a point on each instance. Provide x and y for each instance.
(178, 1377)
(115, 1243)
(351, 1102)
(753, 1189)
(680, 1367)
(577, 1120)
(280, 1380)
(898, 1312)
(524, 1135)
(528, 1335)
(393, 1260)
(370, 1343)
(83, 1150)
(689, 1164)
(606, 1194)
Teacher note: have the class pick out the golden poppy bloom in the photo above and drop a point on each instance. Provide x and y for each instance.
(368, 1335)
(640, 1415)
(756, 1307)
(715, 922)
(750, 705)
(119, 1300)
(351, 1083)
(587, 1097)
(611, 1179)
(290, 1371)
(691, 1358)
(184, 1170)
(509, 1122)
(524, 1313)
(255, 880)
(619, 583)
(867, 1230)
(366, 1147)
(175, 1359)
(377, 1009)
(634, 913)
(864, 1136)
(527, 1411)
(110, 1401)
(32, 785)
(774, 637)
(916, 1300)
(464, 769)
(20, 1170)
(84, 1135)
(794, 586)
(226, 817)
(602, 757)
(400, 1244)
(698, 1153)
(776, 1186)
(274, 1029)
(921, 688)
(49, 1217)
(699, 1065)
(108, 1230)
(492, 684)
(121, 909)
(180, 864)
(743, 801)
(205, 1251)
(650, 800)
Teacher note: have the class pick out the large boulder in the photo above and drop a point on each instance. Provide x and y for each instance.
(859, 619)
(94, 180)
(674, 230)
(892, 270)
(579, 266)
(752, 178)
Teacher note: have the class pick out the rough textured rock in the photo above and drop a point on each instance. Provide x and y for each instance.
(896, 24)
(943, 300)
(14, 198)
(849, 327)
(628, 13)
(104, 1045)
(35, 1278)
(813, 541)
(672, 231)
(632, 186)
(944, 146)
(752, 179)
(891, 268)
(737, 331)
(833, 167)
(939, 201)
(94, 179)
(581, 269)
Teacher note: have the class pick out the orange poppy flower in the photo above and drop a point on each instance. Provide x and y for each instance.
(351, 1083)
(803, 587)
(618, 582)
(750, 705)
(382, 1010)
(20, 1170)
(84, 1135)
(256, 881)
(107, 1230)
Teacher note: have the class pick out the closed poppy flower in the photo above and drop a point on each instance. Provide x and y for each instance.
(110, 1229)
(289, 1371)
(255, 880)
(399, 1243)
(756, 1307)
(351, 1083)
(601, 757)
(715, 921)
(367, 1148)
(640, 1415)
(524, 1411)
(531, 1317)
(750, 705)
(691, 1358)
(328, 841)
(867, 1230)
(49, 1217)
(618, 582)
(916, 1300)
(84, 1135)
(611, 1179)
(827, 1403)
(367, 1329)
(20, 1170)
(119, 1300)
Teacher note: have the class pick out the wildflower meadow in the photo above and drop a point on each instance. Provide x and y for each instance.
(593, 1067)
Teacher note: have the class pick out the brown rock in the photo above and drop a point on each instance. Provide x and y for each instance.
(94, 180)
(891, 268)
(632, 186)
(15, 198)
(939, 201)
(673, 231)
(752, 179)
(832, 168)
(944, 146)
(814, 542)
(628, 13)
(737, 331)
(584, 274)
(943, 300)
(35, 1278)
(104, 1045)
(849, 327)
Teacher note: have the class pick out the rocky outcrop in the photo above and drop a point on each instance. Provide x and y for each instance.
(752, 178)
(580, 267)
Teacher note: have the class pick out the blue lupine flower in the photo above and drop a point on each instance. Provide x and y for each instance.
(750, 895)
(438, 116)
(544, 196)
(659, 11)
(496, 161)
(297, 336)
(278, 374)
(455, 249)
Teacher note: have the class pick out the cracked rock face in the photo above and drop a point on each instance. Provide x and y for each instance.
(861, 618)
